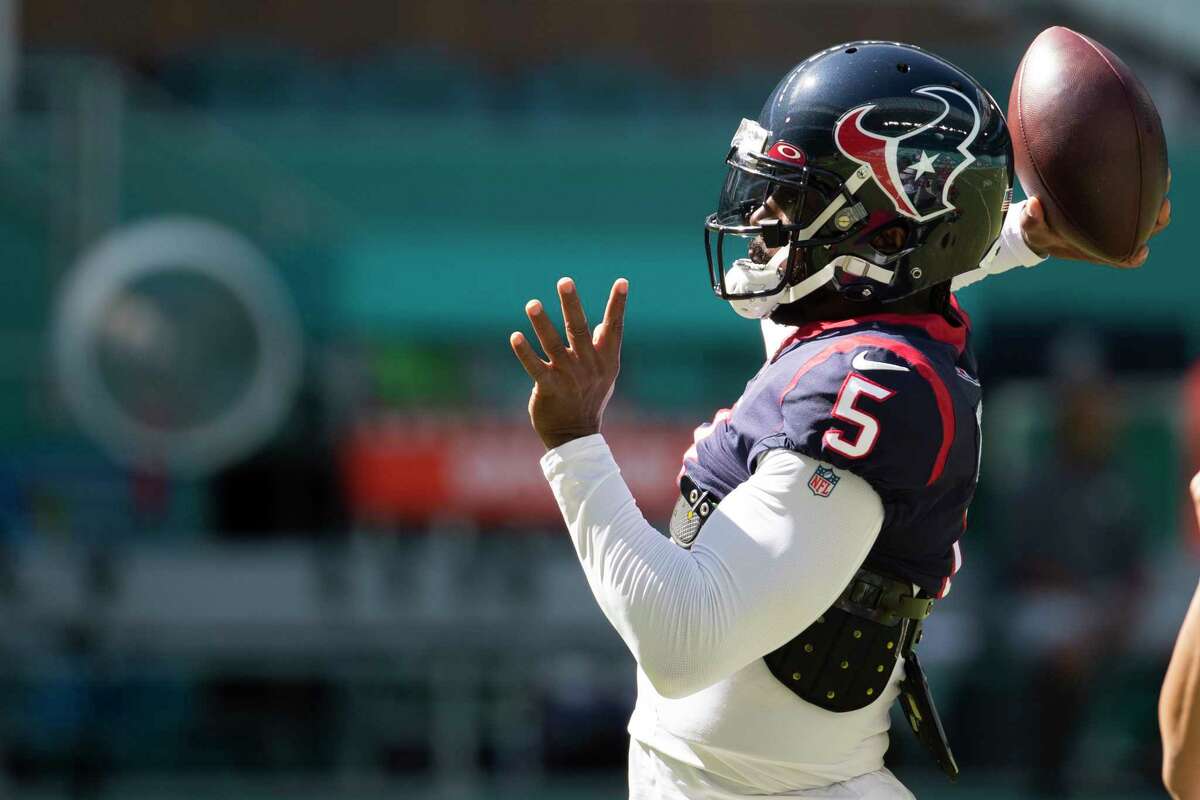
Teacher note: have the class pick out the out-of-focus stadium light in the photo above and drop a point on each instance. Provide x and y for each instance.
(176, 347)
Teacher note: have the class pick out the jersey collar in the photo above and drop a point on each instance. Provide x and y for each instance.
(936, 326)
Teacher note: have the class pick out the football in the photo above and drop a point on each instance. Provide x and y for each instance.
(1088, 141)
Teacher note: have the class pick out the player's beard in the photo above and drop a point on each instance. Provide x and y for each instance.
(822, 304)
(758, 252)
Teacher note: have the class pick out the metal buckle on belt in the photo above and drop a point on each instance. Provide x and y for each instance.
(700, 501)
(882, 599)
(692, 509)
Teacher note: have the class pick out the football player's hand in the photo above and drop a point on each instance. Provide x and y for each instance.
(571, 390)
(1046, 242)
(1194, 487)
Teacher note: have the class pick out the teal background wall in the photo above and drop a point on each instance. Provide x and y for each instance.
(450, 225)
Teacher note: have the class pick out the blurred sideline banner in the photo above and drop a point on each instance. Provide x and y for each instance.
(402, 470)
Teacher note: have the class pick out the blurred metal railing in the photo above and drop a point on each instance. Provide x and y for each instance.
(481, 630)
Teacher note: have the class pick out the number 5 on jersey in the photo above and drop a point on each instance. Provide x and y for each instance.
(853, 444)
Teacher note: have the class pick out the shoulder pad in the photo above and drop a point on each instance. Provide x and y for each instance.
(871, 404)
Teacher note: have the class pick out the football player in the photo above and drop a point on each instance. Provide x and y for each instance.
(1179, 703)
(819, 516)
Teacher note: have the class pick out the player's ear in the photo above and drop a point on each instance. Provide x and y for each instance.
(889, 239)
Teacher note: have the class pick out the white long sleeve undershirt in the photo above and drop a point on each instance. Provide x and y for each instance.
(767, 563)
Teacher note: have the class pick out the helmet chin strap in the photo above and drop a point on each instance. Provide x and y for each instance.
(745, 274)
(809, 285)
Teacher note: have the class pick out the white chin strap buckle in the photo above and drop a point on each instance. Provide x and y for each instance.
(747, 276)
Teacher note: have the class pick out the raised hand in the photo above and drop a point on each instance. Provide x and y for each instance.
(572, 388)
(1045, 241)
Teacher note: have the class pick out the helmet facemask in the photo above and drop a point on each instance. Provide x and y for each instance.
(816, 231)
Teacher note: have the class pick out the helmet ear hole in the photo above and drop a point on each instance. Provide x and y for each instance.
(890, 239)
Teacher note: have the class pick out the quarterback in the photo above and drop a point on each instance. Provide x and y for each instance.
(819, 516)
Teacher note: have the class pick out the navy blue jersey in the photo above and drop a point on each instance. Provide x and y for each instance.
(892, 398)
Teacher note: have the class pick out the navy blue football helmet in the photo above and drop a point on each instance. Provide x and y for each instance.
(888, 171)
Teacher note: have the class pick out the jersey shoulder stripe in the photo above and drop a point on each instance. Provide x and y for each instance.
(911, 355)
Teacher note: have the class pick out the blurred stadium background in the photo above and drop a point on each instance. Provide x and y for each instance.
(271, 522)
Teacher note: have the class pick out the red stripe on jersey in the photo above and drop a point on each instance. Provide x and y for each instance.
(935, 325)
(917, 360)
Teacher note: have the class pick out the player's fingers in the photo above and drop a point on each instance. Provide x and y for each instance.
(546, 333)
(1135, 261)
(1194, 487)
(1164, 216)
(608, 341)
(1034, 210)
(524, 352)
(578, 335)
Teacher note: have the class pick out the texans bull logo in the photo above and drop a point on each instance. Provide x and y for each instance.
(911, 196)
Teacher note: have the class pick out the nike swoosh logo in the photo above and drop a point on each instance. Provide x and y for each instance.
(861, 362)
(966, 376)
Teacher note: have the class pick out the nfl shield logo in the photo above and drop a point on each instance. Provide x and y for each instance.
(823, 481)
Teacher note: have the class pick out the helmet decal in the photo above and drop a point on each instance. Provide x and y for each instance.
(908, 192)
(786, 151)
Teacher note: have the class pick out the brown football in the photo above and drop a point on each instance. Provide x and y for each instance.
(1088, 141)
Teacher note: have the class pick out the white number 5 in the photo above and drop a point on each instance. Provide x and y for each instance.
(844, 410)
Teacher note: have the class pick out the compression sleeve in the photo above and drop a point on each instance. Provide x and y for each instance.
(773, 335)
(771, 559)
